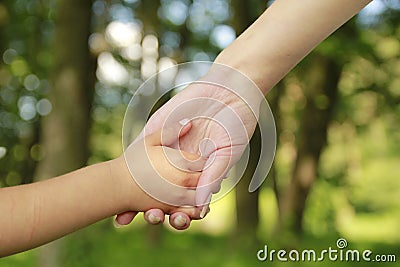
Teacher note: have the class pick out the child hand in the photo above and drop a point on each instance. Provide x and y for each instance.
(159, 176)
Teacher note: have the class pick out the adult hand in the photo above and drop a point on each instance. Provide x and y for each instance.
(224, 116)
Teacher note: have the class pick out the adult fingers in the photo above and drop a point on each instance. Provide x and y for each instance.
(210, 182)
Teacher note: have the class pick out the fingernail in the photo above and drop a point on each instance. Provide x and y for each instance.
(116, 224)
(179, 221)
(203, 211)
(226, 175)
(205, 207)
(153, 219)
(183, 122)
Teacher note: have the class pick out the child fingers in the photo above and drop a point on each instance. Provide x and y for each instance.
(124, 218)
(192, 162)
(188, 180)
(166, 136)
(154, 216)
(184, 161)
(182, 217)
(179, 220)
(185, 197)
(192, 212)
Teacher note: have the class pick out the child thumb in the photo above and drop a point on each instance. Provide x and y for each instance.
(168, 135)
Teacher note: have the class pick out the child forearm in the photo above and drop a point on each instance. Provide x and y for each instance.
(34, 214)
(284, 35)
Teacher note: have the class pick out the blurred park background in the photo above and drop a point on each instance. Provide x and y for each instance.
(69, 68)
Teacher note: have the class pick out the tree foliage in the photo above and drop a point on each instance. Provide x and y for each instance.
(346, 120)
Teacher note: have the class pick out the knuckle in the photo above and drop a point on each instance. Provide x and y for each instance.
(193, 213)
(181, 197)
(190, 156)
(190, 211)
(188, 179)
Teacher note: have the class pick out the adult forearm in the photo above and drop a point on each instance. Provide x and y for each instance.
(283, 35)
(37, 213)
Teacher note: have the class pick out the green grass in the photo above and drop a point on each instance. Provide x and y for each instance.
(102, 246)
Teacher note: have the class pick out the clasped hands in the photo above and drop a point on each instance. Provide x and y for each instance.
(186, 149)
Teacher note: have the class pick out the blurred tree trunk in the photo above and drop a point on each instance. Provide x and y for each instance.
(245, 12)
(247, 203)
(273, 99)
(11, 26)
(65, 131)
(35, 45)
(147, 12)
(321, 83)
(4, 16)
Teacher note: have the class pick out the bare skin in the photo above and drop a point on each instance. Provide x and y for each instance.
(38, 213)
(278, 40)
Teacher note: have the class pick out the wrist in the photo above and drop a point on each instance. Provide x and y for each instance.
(123, 184)
(234, 87)
(265, 67)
